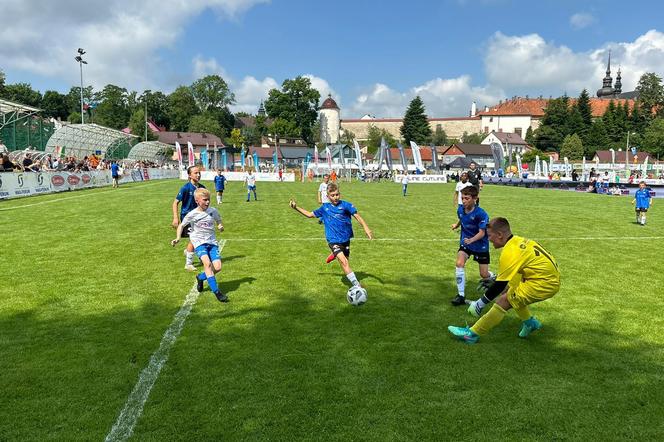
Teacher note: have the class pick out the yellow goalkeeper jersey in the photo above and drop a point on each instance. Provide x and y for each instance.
(523, 259)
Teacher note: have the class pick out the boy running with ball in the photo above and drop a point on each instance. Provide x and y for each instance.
(473, 241)
(202, 235)
(642, 199)
(336, 216)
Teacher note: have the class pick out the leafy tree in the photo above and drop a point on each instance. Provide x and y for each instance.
(475, 138)
(206, 123)
(54, 105)
(22, 93)
(236, 139)
(374, 136)
(157, 107)
(415, 125)
(597, 139)
(575, 123)
(74, 117)
(212, 93)
(554, 126)
(251, 135)
(297, 103)
(530, 137)
(651, 94)
(572, 147)
(284, 128)
(585, 109)
(225, 118)
(242, 114)
(612, 123)
(653, 138)
(637, 121)
(73, 99)
(529, 156)
(112, 110)
(181, 108)
(137, 125)
(439, 137)
(547, 138)
(2, 83)
(347, 137)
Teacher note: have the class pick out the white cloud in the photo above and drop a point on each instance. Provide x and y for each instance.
(581, 20)
(249, 92)
(121, 37)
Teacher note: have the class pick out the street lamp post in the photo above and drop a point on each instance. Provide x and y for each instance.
(627, 173)
(81, 62)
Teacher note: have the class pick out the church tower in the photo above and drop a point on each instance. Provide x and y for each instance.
(607, 90)
(330, 121)
(618, 89)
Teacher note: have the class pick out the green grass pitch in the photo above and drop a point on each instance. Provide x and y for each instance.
(90, 283)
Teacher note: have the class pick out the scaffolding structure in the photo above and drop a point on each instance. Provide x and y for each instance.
(22, 128)
(150, 151)
(81, 140)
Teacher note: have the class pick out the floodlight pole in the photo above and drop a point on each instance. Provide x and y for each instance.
(81, 62)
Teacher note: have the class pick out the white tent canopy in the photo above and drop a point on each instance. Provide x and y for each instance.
(11, 112)
(86, 139)
(150, 151)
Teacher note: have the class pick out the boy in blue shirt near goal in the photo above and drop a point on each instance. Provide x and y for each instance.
(473, 242)
(642, 199)
(202, 235)
(219, 185)
(336, 216)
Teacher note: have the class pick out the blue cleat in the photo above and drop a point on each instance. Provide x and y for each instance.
(528, 326)
(464, 333)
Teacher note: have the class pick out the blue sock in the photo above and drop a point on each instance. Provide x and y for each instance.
(212, 282)
(248, 195)
(201, 276)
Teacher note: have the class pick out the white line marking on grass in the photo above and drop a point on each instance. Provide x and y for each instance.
(131, 412)
(568, 238)
(57, 200)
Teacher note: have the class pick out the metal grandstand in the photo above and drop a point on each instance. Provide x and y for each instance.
(21, 127)
(150, 151)
(86, 139)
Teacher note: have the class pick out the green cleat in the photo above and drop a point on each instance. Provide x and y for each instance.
(528, 326)
(464, 333)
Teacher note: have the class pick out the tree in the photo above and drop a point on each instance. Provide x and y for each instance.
(137, 125)
(212, 93)
(439, 137)
(54, 105)
(347, 137)
(651, 94)
(597, 139)
(206, 123)
(531, 155)
(472, 138)
(415, 125)
(112, 110)
(297, 103)
(157, 107)
(284, 128)
(2, 83)
(572, 147)
(555, 124)
(236, 139)
(547, 139)
(181, 108)
(653, 138)
(73, 99)
(374, 136)
(22, 93)
(584, 108)
(530, 137)
(242, 114)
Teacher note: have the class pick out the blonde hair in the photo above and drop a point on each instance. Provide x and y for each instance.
(201, 192)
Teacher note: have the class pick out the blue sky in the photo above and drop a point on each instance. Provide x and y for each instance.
(373, 56)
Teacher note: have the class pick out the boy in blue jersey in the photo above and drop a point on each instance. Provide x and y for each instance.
(336, 216)
(219, 185)
(115, 173)
(473, 242)
(186, 197)
(202, 221)
(642, 199)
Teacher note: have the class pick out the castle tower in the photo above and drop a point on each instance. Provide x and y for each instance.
(618, 87)
(261, 110)
(330, 121)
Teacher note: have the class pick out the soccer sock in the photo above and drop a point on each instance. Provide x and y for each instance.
(353, 279)
(190, 258)
(523, 313)
(491, 274)
(461, 280)
(482, 302)
(489, 321)
(643, 219)
(218, 199)
(248, 195)
(212, 282)
(201, 276)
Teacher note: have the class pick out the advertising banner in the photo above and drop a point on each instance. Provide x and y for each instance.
(423, 179)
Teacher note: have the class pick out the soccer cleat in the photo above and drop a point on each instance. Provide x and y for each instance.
(199, 285)
(528, 326)
(474, 309)
(458, 300)
(464, 334)
(220, 296)
(330, 258)
(190, 267)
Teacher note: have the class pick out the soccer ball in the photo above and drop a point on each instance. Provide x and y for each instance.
(356, 295)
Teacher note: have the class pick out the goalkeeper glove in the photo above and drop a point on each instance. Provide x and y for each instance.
(485, 283)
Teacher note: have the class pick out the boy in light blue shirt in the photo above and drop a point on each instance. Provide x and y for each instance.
(642, 199)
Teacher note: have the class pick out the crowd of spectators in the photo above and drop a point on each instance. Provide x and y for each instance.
(50, 163)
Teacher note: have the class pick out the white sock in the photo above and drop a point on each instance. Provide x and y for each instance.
(218, 199)
(643, 219)
(491, 274)
(353, 279)
(461, 280)
(190, 258)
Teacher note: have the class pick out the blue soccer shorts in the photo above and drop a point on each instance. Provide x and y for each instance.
(210, 250)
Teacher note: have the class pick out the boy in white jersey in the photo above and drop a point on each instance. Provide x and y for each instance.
(250, 181)
(462, 184)
(202, 235)
(322, 190)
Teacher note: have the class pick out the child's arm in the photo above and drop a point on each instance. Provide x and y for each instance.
(477, 237)
(364, 225)
(304, 212)
(456, 225)
(178, 234)
(176, 221)
(456, 197)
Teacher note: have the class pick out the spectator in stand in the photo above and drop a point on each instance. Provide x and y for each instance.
(575, 176)
(3, 148)
(6, 164)
(27, 163)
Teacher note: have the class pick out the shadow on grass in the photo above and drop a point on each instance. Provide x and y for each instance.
(309, 366)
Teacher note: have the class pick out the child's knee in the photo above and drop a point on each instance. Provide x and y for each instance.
(216, 265)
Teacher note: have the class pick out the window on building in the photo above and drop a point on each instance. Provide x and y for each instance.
(490, 119)
(518, 130)
(486, 129)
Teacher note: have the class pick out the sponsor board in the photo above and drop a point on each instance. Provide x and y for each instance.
(423, 179)
(208, 175)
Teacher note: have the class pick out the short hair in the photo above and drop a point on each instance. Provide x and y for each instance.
(470, 190)
(464, 173)
(500, 224)
(201, 192)
(190, 168)
(642, 182)
(332, 187)
(326, 175)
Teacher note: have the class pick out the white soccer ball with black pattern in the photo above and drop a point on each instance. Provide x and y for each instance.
(356, 295)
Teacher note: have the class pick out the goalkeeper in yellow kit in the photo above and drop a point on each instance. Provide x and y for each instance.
(527, 273)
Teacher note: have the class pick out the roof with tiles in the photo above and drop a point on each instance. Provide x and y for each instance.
(535, 106)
